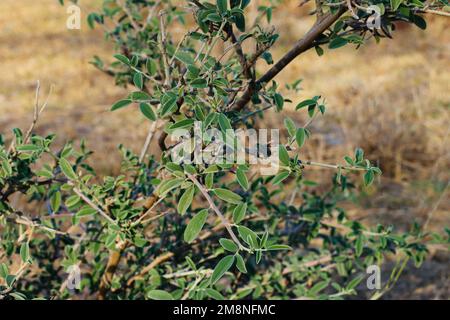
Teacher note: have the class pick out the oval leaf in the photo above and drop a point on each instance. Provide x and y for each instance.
(195, 226)
(223, 266)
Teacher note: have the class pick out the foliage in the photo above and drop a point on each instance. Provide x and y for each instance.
(148, 233)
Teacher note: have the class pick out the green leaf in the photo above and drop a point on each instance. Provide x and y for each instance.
(240, 263)
(248, 236)
(199, 83)
(159, 295)
(139, 96)
(319, 50)
(419, 21)
(214, 294)
(284, 155)
(224, 123)
(354, 282)
(240, 24)
(67, 169)
(72, 201)
(25, 252)
(337, 43)
(349, 160)
(242, 178)
(223, 266)
(279, 101)
(395, 4)
(138, 80)
(280, 177)
(214, 17)
(278, 247)
(359, 245)
(318, 287)
(8, 169)
(10, 279)
(151, 67)
(121, 104)
(168, 106)
(306, 103)
(4, 271)
(290, 126)
(182, 124)
(147, 111)
(228, 245)
(227, 195)
(239, 212)
(184, 57)
(368, 177)
(55, 202)
(122, 59)
(86, 211)
(300, 137)
(168, 185)
(186, 200)
(28, 147)
(195, 226)
(359, 154)
(222, 6)
(209, 180)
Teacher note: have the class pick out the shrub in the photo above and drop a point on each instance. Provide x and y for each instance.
(171, 229)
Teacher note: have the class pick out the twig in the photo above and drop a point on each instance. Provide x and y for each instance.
(148, 140)
(150, 15)
(214, 41)
(157, 261)
(93, 205)
(332, 166)
(217, 211)
(162, 47)
(36, 113)
(150, 210)
(436, 12)
(301, 46)
(130, 16)
(436, 205)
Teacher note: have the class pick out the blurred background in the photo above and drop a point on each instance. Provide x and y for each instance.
(392, 99)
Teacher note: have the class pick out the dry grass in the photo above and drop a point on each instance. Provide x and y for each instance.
(391, 99)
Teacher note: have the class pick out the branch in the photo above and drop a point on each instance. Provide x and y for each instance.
(304, 44)
(217, 211)
(239, 52)
(93, 205)
(148, 140)
(436, 12)
(162, 47)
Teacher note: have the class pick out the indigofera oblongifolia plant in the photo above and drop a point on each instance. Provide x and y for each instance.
(171, 229)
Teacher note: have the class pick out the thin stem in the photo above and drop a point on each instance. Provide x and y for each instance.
(93, 205)
(148, 140)
(214, 41)
(162, 47)
(332, 166)
(217, 211)
(138, 221)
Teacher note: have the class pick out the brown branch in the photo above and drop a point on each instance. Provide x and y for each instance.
(156, 262)
(304, 44)
(239, 52)
(111, 267)
(115, 257)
